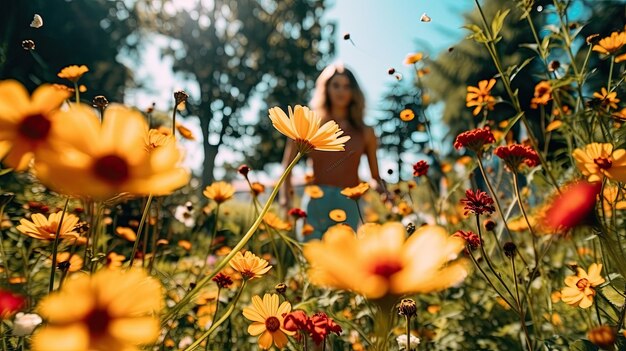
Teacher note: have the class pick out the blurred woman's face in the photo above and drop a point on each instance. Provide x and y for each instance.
(339, 91)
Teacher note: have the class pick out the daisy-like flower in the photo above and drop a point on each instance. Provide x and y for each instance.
(356, 192)
(249, 265)
(543, 94)
(219, 192)
(74, 262)
(101, 160)
(73, 72)
(471, 239)
(314, 191)
(267, 320)
(337, 215)
(611, 44)
(475, 140)
(607, 99)
(480, 97)
(297, 213)
(515, 155)
(257, 188)
(420, 168)
(381, 261)
(42, 228)
(27, 123)
(413, 58)
(303, 126)
(580, 289)
(111, 310)
(598, 160)
(407, 115)
(477, 202)
(156, 138)
(275, 222)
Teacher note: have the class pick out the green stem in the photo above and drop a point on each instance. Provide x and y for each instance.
(55, 246)
(530, 227)
(2, 252)
(408, 332)
(146, 210)
(244, 240)
(522, 315)
(358, 208)
(174, 121)
(77, 93)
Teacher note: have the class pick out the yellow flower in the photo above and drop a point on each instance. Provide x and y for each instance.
(275, 222)
(337, 215)
(74, 262)
(580, 287)
(185, 244)
(404, 208)
(620, 58)
(249, 265)
(219, 192)
(382, 261)
(610, 45)
(356, 192)
(314, 191)
(185, 132)
(542, 95)
(267, 320)
(303, 126)
(612, 199)
(27, 123)
(73, 72)
(407, 115)
(114, 260)
(111, 310)
(101, 161)
(413, 58)
(45, 228)
(607, 99)
(257, 188)
(126, 233)
(307, 229)
(157, 138)
(480, 96)
(621, 115)
(596, 160)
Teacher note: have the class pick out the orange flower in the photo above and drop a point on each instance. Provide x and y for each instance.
(611, 44)
(275, 222)
(356, 192)
(74, 262)
(337, 215)
(314, 191)
(73, 72)
(580, 287)
(45, 228)
(267, 320)
(126, 233)
(480, 97)
(185, 132)
(407, 115)
(543, 94)
(596, 160)
(608, 99)
(249, 265)
(219, 192)
(413, 58)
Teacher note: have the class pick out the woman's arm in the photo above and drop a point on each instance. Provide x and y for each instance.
(371, 145)
(284, 198)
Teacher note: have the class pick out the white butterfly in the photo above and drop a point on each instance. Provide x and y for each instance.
(37, 21)
(425, 18)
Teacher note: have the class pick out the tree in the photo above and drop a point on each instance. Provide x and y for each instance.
(238, 50)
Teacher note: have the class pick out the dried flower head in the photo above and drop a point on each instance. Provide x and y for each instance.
(407, 308)
(28, 44)
(509, 249)
(222, 280)
(100, 102)
(180, 97)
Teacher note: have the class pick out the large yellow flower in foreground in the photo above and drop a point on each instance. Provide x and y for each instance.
(596, 160)
(267, 320)
(111, 310)
(580, 288)
(40, 227)
(219, 192)
(26, 122)
(381, 261)
(103, 160)
(303, 126)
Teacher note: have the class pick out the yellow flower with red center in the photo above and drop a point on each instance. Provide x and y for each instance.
(102, 160)
(407, 115)
(40, 227)
(303, 126)
(596, 160)
(356, 192)
(381, 261)
(249, 265)
(337, 215)
(27, 123)
(608, 99)
(580, 289)
(542, 95)
(111, 310)
(219, 192)
(611, 44)
(74, 262)
(73, 72)
(314, 191)
(267, 320)
(480, 97)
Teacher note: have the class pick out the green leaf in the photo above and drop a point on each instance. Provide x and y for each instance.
(583, 345)
(478, 33)
(5, 171)
(517, 69)
(498, 21)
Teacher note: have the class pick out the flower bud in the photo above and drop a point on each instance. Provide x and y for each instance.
(407, 308)
(281, 288)
(602, 336)
(180, 97)
(509, 249)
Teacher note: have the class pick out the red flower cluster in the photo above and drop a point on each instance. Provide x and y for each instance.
(222, 280)
(317, 326)
(573, 205)
(420, 168)
(474, 139)
(514, 155)
(471, 239)
(478, 202)
(10, 304)
(297, 213)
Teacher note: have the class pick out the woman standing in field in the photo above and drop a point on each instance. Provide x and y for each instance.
(337, 98)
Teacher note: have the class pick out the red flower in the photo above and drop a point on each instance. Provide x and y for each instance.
(10, 304)
(516, 154)
(478, 202)
(297, 213)
(222, 280)
(475, 139)
(573, 205)
(243, 170)
(322, 326)
(471, 239)
(297, 321)
(420, 168)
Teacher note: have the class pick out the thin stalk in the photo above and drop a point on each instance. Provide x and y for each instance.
(408, 332)
(77, 93)
(530, 227)
(513, 306)
(358, 208)
(55, 246)
(144, 215)
(522, 315)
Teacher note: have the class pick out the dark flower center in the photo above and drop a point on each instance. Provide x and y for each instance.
(272, 324)
(35, 127)
(603, 162)
(582, 284)
(387, 268)
(98, 322)
(112, 169)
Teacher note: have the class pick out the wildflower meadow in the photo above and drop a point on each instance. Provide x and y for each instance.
(497, 220)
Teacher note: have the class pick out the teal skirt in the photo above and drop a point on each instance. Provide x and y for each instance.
(317, 211)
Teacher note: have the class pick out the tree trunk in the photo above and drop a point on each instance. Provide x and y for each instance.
(210, 151)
